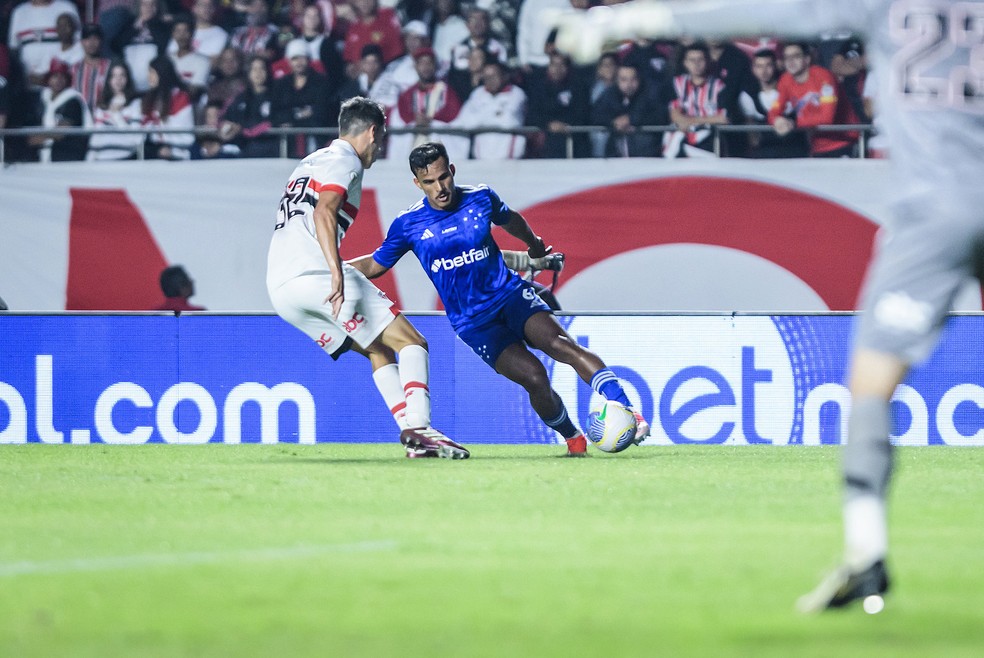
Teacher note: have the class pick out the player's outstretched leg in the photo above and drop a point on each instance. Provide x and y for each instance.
(518, 364)
(544, 333)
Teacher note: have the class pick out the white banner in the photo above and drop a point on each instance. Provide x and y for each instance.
(640, 234)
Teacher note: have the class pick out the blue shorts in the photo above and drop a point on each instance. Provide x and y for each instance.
(505, 327)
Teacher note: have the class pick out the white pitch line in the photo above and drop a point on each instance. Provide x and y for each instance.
(47, 567)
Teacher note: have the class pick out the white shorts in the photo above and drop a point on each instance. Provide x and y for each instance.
(367, 310)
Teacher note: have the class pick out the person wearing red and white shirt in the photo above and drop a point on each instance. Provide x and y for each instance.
(89, 74)
(209, 39)
(167, 104)
(33, 35)
(809, 96)
(192, 66)
(698, 102)
(429, 103)
(496, 104)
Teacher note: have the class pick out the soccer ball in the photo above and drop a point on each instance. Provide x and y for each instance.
(611, 427)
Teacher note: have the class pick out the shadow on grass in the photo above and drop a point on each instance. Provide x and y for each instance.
(476, 456)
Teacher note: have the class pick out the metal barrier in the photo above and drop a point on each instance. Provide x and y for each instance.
(864, 131)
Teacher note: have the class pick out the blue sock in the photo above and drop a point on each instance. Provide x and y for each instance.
(562, 422)
(605, 383)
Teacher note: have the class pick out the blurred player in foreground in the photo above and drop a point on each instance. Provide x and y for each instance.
(931, 103)
(312, 289)
(492, 310)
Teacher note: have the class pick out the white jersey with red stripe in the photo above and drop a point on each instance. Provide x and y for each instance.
(294, 249)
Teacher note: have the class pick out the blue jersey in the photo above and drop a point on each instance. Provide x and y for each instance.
(458, 252)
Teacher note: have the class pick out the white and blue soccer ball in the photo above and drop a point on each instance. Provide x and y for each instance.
(611, 427)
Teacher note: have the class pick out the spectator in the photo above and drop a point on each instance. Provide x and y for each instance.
(227, 80)
(302, 99)
(118, 106)
(34, 36)
(218, 142)
(428, 103)
(478, 37)
(532, 31)
(257, 36)
(502, 16)
(209, 39)
(333, 16)
(851, 68)
(193, 67)
(624, 108)
(654, 60)
(370, 68)
(167, 104)
(63, 108)
(178, 288)
(496, 104)
(696, 102)
(89, 74)
(248, 118)
(755, 104)
(464, 82)
(401, 73)
(449, 29)
(321, 46)
(143, 40)
(69, 49)
(730, 64)
(556, 103)
(604, 78)
(113, 18)
(809, 96)
(373, 24)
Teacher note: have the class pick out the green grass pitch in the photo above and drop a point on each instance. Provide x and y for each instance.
(352, 550)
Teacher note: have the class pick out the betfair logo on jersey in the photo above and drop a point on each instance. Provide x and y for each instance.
(466, 258)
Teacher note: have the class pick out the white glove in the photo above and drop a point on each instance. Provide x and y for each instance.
(583, 34)
(553, 262)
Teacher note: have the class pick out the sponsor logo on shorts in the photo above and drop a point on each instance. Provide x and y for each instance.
(353, 323)
(465, 258)
(324, 341)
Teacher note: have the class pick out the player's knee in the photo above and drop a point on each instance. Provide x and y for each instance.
(535, 381)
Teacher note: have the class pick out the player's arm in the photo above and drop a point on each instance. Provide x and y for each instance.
(518, 227)
(368, 266)
(326, 228)
(583, 35)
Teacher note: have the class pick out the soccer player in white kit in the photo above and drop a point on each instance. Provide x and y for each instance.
(930, 58)
(327, 299)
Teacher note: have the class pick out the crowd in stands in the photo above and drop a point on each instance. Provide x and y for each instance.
(216, 76)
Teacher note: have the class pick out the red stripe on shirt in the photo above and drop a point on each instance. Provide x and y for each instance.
(329, 187)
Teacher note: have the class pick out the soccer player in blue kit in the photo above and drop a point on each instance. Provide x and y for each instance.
(494, 311)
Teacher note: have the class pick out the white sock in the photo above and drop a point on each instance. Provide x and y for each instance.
(865, 531)
(387, 381)
(415, 378)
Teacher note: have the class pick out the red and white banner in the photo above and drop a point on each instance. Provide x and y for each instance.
(640, 235)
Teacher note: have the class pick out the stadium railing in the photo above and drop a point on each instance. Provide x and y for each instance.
(864, 131)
